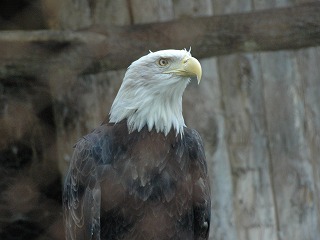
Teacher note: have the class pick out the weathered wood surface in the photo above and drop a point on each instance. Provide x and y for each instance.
(258, 113)
(242, 99)
(292, 175)
(107, 47)
(261, 94)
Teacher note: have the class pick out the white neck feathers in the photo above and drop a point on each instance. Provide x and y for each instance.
(151, 108)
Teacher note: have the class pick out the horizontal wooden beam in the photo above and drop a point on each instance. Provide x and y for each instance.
(103, 48)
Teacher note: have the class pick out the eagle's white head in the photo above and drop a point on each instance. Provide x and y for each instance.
(151, 91)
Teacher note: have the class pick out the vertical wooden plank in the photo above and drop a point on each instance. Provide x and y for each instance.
(151, 11)
(230, 6)
(187, 8)
(309, 76)
(262, 4)
(75, 14)
(246, 138)
(108, 12)
(247, 146)
(291, 168)
(284, 3)
(71, 15)
(309, 72)
(292, 172)
(307, 61)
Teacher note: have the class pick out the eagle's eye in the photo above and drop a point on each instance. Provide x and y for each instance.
(163, 62)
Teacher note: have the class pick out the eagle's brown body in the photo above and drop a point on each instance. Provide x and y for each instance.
(152, 186)
(142, 174)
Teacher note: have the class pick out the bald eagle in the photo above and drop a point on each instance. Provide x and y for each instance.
(142, 174)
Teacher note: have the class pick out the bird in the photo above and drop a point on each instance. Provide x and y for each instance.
(142, 174)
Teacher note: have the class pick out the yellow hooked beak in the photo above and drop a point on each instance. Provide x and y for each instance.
(188, 67)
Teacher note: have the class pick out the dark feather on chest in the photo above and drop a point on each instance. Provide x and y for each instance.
(146, 183)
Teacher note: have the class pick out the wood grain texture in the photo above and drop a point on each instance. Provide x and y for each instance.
(242, 98)
(257, 108)
(291, 169)
(107, 47)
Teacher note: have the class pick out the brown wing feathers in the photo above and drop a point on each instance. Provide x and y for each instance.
(151, 186)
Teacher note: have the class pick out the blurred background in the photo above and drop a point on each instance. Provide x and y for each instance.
(257, 107)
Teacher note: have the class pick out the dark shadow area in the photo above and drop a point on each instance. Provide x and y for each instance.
(21, 15)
